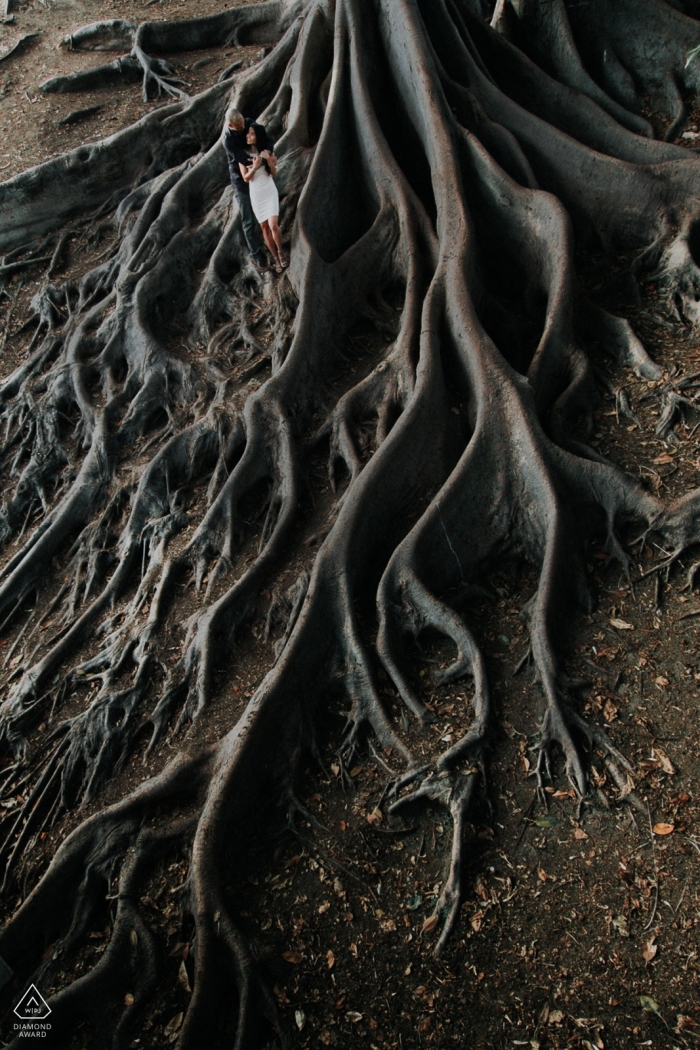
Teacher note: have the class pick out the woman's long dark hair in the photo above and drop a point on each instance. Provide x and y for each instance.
(257, 128)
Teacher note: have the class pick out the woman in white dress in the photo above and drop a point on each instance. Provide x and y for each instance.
(264, 199)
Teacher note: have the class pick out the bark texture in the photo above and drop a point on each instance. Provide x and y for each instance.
(438, 161)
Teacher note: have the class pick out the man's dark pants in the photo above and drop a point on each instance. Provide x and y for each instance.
(251, 227)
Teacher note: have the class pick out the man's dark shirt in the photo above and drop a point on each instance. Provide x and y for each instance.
(237, 151)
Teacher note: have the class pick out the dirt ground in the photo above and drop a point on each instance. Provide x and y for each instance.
(580, 924)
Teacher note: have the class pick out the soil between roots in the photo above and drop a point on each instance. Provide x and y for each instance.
(561, 908)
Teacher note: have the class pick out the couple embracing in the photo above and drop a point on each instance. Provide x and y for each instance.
(253, 166)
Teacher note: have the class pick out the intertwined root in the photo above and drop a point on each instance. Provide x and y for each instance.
(432, 174)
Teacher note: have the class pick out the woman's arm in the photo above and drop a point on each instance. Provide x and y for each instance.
(248, 173)
(271, 161)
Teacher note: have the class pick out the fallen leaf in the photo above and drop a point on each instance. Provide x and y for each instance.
(542, 874)
(172, 1027)
(685, 1022)
(375, 817)
(661, 681)
(430, 923)
(620, 924)
(300, 1018)
(555, 1017)
(664, 458)
(663, 760)
(330, 959)
(183, 978)
(622, 625)
(291, 957)
(649, 949)
(609, 711)
(663, 829)
(649, 1005)
(323, 907)
(353, 1016)
(579, 833)
(476, 921)
(129, 999)
(134, 937)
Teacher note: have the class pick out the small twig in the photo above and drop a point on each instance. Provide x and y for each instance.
(523, 819)
(656, 872)
(524, 661)
(680, 901)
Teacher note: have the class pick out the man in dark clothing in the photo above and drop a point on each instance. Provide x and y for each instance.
(236, 152)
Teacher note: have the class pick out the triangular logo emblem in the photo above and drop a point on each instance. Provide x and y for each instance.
(32, 1006)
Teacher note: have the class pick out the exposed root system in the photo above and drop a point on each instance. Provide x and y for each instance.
(438, 161)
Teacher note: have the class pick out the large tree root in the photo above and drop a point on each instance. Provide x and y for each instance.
(158, 436)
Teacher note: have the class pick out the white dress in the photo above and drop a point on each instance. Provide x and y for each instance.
(264, 198)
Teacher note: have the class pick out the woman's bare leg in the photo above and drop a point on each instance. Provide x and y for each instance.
(269, 240)
(276, 233)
